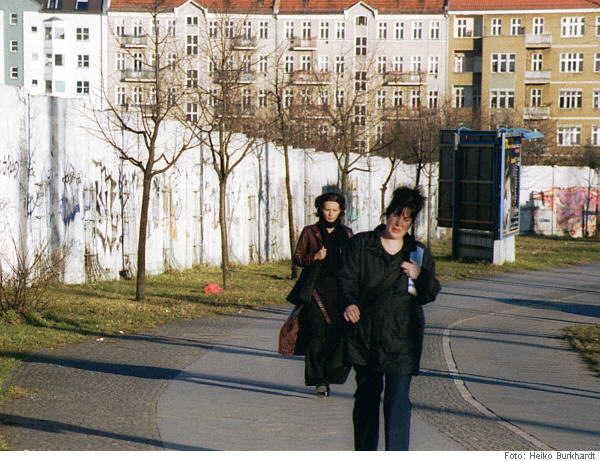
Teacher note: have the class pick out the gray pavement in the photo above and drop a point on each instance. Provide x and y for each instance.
(495, 376)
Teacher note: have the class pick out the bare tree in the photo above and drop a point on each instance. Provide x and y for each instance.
(148, 96)
(220, 108)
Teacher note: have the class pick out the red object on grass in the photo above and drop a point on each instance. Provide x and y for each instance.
(212, 288)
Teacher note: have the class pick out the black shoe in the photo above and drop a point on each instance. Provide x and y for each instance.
(322, 390)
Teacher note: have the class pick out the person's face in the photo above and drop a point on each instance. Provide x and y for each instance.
(397, 225)
(330, 211)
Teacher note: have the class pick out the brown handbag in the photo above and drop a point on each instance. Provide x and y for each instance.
(288, 334)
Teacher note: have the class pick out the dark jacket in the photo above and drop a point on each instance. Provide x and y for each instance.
(389, 335)
(309, 243)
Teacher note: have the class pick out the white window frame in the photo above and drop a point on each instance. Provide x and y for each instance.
(290, 30)
(459, 63)
(263, 29)
(502, 98)
(416, 63)
(381, 64)
(82, 34)
(83, 61)
(306, 30)
(380, 99)
(433, 65)
(324, 30)
(535, 97)
(432, 99)
(502, 63)
(83, 87)
(417, 30)
(516, 26)
(496, 26)
(463, 28)
(382, 30)
(571, 98)
(537, 26)
(596, 99)
(121, 95)
(570, 63)
(398, 98)
(263, 64)
(595, 135)
(14, 72)
(398, 64)
(13, 19)
(360, 47)
(434, 30)
(14, 46)
(340, 30)
(537, 62)
(415, 98)
(399, 30)
(339, 65)
(572, 26)
(261, 98)
(596, 62)
(568, 135)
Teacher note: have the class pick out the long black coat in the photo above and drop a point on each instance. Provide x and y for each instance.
(389, 335)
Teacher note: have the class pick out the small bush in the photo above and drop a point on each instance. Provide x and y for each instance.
(25, 279)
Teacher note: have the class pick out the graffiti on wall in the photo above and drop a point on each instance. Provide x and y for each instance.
(575, 208)
(70, 198)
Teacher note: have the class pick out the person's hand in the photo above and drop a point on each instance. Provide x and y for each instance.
(411, 269)
(321, 254)
(352, 313)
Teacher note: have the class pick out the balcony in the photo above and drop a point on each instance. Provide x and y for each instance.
(244, 43)
(401, 113)
(309, 77)
(537, 77)
(233, 76)
(133, 41)
(134, 75)
(303, 44)
(405, 78)
(536, 112)
(312, 111)
(538, 41)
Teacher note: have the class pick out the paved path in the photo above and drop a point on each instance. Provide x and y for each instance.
(495, 376)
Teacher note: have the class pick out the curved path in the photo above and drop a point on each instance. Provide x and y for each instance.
(495, 376)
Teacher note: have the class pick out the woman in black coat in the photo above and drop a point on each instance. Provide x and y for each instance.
(385, 319)
(321, 324)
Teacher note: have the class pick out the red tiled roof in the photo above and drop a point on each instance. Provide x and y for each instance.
(289, 6)
(454, 5)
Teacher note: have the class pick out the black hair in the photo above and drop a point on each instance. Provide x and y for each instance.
(405, 197)
(330, 197)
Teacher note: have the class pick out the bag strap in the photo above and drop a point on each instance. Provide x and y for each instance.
(416, 255)
(322, 307)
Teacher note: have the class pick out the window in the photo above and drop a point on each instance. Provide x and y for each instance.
(289, 30)
(515, 26)
(138, 61)
(48, 60)
(415, 98)
(213, 29)
(82, 33)
(83, 87)
(13, 19)
(361, 46)
(48, 33)
(14, 72)
(502, 99)
(263, 29)
(432, 99)
(120, 61)
(340, 30)
(306, 30)
(415, 63)
(306, 63)
(382, 30)
(536, 62)
(398, 64)
(434, 30)
(48, 87)
(463, 28)
(597, 26)
(261, 98)
(323, 63)
(59, 86)
(381, 64)
(81, 5)
(191, 80)
(597, 62)
(324, 97)
(569, 99)
(324, 30)
(572, 26)
(58, 60)
(535, 97)
(34, 29)
(433, 65)
(34, 82)
(340, 98)
(571, 62)
(538, 26)
(289, 64)
(83, 61)
(503, 62)
(120, 28)
(361, 20)
(262, 64)
(191, 112)
(246, 99)
(171, 61)
(459, 63)
(213, 97)
(339, 65)
(191, 20)
(568, 135)
(360, 80)
(59, 33)
(191, 47)
(305, 97)
(121, 96)
(380, 99)
(398, 98)
(595, 138)
(417, 30)
(14, 46)
(171, 27)
(399, 30)
(596, 99)
(496, 26)
(138, 28)
(360, 115)
(228, 29)
(247, 30)
(288, 98)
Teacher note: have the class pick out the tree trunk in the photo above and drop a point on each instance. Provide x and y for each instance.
(291, 229)
(223, 225)
(140, 287)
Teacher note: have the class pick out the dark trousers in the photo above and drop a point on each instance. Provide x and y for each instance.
(396, 409)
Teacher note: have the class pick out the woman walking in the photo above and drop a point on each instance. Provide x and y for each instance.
(385, 278)
(318, 251)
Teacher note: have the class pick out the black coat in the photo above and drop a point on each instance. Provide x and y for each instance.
(389, 335)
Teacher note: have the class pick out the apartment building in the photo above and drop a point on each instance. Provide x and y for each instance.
(12, 39)
(314, 43)
(65, 48)
(532, 62)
